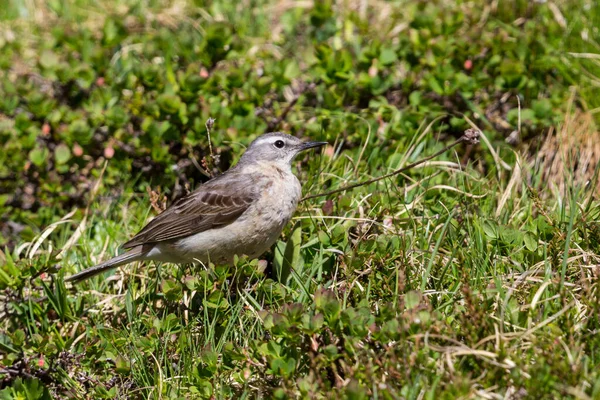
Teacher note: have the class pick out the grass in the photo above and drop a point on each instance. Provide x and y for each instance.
(474, 275)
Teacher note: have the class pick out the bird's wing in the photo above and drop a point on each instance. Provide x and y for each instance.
(217, 203)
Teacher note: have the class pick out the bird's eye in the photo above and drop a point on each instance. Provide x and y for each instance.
(279, 144)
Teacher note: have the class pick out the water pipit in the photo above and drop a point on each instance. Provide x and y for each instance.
(241, 212)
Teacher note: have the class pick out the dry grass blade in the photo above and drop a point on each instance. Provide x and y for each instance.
(83, 224)
(514, 180)
(46, 233)
(570, 155)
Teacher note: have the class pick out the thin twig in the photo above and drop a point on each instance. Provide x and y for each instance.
(274, 123)
(471, 136)
(212, 160)
(209, 124)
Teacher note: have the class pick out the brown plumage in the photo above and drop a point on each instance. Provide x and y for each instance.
(211, 206)
(241, 212)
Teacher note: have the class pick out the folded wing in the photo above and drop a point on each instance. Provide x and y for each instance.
(217, 203)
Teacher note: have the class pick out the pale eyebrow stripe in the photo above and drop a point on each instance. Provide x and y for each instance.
(264, 140)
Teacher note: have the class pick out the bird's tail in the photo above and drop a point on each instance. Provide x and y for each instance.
(134, 254)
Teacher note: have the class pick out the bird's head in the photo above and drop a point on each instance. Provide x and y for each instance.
(276, 147)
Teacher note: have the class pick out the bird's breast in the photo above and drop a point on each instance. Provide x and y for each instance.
(255, 231)
(278, 199)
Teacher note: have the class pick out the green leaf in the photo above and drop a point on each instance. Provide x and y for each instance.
(542, 108)
(122, 365)
(29, 389)
(38, 156)
(18, 337)
(6, 344)
(85, 76)
(62, 153)
(292, 70)
(490, 229)
(531, 242)
(268, 321)
(387, 56)
(412, 299)
(414, 98)
(528, 114)
(355, 391)
(323, 238)
(171, 323)
(511, 236)
(204, 388)
(291, 256)
(169, 103)
(435, 85)
(330, 351)
(172, 290)
(289, 366)
(312, 323)
(544, 229)
(80, 131)
(216, 300)
(328, 304)
(48, 59)
(284, 367)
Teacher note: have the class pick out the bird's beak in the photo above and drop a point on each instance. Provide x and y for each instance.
(310, 145)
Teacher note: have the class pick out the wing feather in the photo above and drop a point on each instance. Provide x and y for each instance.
(212, 205)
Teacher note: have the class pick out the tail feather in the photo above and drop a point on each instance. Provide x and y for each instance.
(134, 254)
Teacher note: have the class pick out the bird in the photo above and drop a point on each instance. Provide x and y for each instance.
(240, 212)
